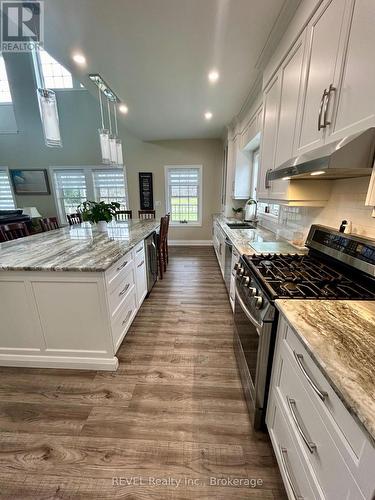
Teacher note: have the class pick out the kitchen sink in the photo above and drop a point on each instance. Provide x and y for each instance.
(240, 225)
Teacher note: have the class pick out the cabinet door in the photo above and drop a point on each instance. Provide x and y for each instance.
(242, 178)
(323, 33)
(290, 81)
(271, 102)
(141, 280)
(355, 108)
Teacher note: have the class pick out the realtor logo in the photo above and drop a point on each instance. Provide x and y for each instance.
(22, 25)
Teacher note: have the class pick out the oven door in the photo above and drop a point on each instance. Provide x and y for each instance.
(252, 349)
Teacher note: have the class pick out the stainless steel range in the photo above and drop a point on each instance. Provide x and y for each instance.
(337, 266)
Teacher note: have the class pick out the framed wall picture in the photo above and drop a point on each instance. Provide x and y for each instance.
(30, 181)
(146, 192)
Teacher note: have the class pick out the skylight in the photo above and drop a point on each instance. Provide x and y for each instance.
(54, 74)
(5, 96)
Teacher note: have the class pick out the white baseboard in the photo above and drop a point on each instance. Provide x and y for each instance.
(34, 361)
(190, 243)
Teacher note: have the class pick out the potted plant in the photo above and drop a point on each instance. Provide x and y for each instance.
(237, 212)
(98, 213)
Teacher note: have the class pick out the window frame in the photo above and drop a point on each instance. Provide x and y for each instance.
(200, 194)
(6, 170)
(90, 188)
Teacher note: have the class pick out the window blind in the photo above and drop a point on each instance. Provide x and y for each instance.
(109, 185)
(6, 197)
(184, 194)
(71, 189)
(5, 96)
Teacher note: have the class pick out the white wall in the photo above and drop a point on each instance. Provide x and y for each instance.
(347, 201)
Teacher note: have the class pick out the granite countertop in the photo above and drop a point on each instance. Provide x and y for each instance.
(243, 239)
(75, 248)
(340, 336)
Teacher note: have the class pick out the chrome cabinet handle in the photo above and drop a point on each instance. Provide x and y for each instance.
(330, 91)
(141, 264)
(324, 95)
(292, 407)
(267, 184)
(127, 317)
(289, 474)
(299, 358)
(139, 250)
(122, 265)
(124, 290)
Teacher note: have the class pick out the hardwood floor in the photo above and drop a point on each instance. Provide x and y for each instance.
(174, 410)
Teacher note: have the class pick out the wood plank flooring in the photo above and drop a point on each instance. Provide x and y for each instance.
(174, 411)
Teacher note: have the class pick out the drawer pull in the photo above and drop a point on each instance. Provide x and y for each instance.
(124, 290)
(141, 264)
(139, 250)
(299, 358)
(122, 265)
(289, 474)
(292, 407)
(127, 317)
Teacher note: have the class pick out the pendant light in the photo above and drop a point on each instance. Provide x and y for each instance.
(120, 160)
(112, 138)
(103, 135)
(49, 117)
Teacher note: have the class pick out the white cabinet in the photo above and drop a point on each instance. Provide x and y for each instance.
(326, 453)
(232, 289)
(140, 273)
(219, 245)
(242, 177)
(323, 34)
(355, 77)
(271, 104)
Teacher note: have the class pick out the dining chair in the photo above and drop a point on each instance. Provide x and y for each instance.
(124, 214)
(146, 214)
(73, 219)
(15, 230)
(161, 245)
(49, 223)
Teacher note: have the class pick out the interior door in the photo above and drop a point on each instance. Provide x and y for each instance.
(355, 109)
(323, 38)
(271, 103)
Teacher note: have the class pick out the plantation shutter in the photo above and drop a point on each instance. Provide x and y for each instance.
(109, 185)
(71, 189)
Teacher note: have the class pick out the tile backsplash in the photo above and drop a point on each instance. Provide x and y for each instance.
(347, 201)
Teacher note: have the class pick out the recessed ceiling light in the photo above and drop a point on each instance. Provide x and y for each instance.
(318, 172)
(213, 76)
(208, 115)
(123, 109)
(79, 59)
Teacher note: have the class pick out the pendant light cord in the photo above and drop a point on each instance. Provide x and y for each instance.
(101, 107)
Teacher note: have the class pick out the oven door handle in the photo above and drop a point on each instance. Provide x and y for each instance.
(249, 316)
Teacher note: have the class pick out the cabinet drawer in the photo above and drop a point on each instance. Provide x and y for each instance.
(139, 249)
(117, 294)
(331, 406)
(121, 265)
(346, 433)
(123, 319)
(296, 475)
(310, 432)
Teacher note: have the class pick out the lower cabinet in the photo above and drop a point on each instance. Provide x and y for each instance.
(321, 450)
(70, 319)
(219, 245)
(232, 289)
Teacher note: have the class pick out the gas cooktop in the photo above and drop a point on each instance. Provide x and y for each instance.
(305, 276)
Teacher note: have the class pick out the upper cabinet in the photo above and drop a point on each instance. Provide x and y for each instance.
(323, 34)
(322, 91)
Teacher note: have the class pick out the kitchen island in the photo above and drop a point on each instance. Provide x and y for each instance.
(68, 296)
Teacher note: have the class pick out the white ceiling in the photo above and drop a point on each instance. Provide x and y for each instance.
(156, 54)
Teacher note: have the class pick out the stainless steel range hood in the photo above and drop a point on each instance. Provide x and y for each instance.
(353, 156)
